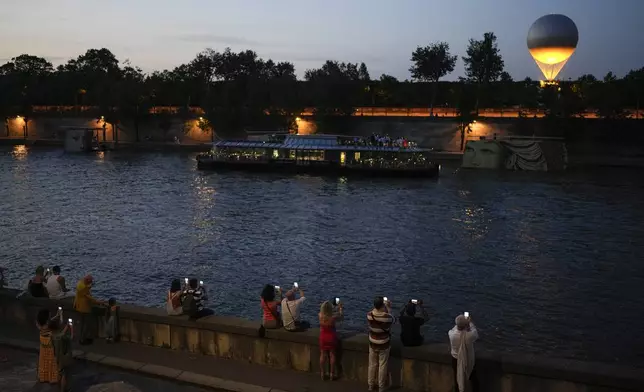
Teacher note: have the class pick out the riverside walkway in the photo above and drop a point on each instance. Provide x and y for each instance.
(150, 369)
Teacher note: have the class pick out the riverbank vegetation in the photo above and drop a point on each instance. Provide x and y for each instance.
(240, 89)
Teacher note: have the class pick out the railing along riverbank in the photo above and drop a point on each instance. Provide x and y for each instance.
(509, 112)
(423, 369)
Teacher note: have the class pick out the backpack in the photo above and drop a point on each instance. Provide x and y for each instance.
(189, 304)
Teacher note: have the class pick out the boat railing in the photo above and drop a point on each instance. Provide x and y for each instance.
(366, 163)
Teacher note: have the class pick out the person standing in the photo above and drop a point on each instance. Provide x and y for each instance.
(328, 337)
(47, 369)
(380, 321)
(83, 302)
(462, 338)
(62, 335)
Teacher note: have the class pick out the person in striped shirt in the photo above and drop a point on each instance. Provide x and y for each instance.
(380, 321)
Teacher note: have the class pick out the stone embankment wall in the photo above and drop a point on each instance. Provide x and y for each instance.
(426, 368)
(585, 138)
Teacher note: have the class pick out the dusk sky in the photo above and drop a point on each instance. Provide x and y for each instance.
(164, 33)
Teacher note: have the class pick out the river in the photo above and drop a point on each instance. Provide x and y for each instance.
(545, 263)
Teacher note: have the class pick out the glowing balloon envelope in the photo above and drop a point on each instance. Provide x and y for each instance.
(552, 39)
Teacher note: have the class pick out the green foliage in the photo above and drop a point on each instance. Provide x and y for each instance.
(237, 90)
(483, 63)
(432, 62)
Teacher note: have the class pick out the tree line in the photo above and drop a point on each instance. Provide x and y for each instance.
(240, 89)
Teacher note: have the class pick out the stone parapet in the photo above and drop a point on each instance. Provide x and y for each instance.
(426, 368)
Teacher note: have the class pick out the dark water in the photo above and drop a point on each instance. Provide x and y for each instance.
(545, 263)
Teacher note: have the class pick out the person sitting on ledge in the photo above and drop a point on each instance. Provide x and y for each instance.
(173, 301)
(291, 311)
(462, 338)
(36, 286)
(193, 301)
(271, 318)
(410, 322)
(56, 285)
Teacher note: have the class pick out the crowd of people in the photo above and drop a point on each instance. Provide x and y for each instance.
(376, 140)
(280, 310)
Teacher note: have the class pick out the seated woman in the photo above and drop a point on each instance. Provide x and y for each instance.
(271, 318)
(328, 337)
(173, 301)
(36, 285)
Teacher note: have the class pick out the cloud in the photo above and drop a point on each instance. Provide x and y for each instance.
(208, 38)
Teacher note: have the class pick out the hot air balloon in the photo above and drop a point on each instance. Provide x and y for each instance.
(552, 39)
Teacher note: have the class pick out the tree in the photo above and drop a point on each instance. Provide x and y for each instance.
(635, 85)
(609, 103)
(133, 100)
(386, 88)
(26, 80)
(483, 63)
(430, 63)
(363, 73)
(505, 77)
(466, 112)
(335, 87)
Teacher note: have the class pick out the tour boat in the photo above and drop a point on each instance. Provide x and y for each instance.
(322, 154)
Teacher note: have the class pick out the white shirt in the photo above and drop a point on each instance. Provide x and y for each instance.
(455, 339)
(53, 287)
(289, 318)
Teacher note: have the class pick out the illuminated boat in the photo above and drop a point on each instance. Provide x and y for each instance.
(321, 154)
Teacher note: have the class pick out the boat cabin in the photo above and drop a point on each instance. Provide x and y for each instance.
(323, 150)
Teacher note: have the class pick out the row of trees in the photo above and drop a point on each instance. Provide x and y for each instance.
(239, 89)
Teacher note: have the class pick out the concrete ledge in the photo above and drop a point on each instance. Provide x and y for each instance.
(200, 379)
(425, 368)
(162, 371)
(119, 363)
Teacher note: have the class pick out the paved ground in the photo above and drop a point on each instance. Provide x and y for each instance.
(18, 374)
(236, 374)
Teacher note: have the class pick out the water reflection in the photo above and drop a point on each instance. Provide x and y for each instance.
(516, 250)
(20, 152)
(204, 222)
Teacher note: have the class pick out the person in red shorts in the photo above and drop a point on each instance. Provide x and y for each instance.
(328, 337)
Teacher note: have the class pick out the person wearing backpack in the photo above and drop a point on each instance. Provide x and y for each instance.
(193, 298)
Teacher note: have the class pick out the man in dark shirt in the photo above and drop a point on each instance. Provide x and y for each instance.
(410, 323)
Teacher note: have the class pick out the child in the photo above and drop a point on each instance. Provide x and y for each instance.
(112, 321)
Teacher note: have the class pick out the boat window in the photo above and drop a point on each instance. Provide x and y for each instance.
(291, 154)
(276, 153)
(343, 158)
(356, 156)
